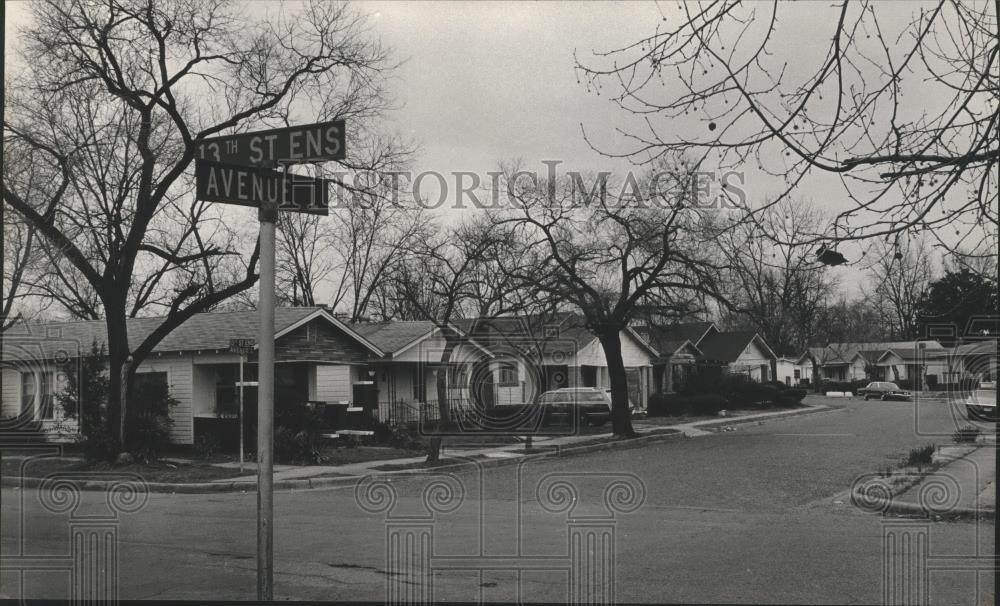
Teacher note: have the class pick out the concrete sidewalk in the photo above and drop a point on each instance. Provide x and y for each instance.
(965, 484)
(512, 451)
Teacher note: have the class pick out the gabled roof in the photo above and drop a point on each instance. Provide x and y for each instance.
(659, 336)
(728, 346)
(395, 337)
(837, 354)
(207, 331)
(567, 329)
(391, 337)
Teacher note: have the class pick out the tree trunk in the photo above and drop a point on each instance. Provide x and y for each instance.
(815, 373)
(119, 375)
(441, 384)
(621, 422)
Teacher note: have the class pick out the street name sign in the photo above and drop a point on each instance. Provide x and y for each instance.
(292, 145)
(242, 346)
(252, 186)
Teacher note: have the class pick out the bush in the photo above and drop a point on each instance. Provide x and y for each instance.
(966, 435)
(296, 446)
(657, 406)
(206, 445)
(792, 397)
(921, 456)
(149, 435)
(696, 404)
(297, 434)
(397, 436)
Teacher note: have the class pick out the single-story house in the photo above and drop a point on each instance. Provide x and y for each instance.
(880, 361)
(534, 354)
(317, 357)
(789, 371)
(406, 378)
(684, 345)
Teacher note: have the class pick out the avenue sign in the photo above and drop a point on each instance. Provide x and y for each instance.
(318, 142)
(243, 347)
(252, 186)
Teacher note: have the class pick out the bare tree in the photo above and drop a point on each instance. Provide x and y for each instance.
(607, 255)
(447, 284)
(897, 280)
(898, 100)
(773, 281)
(113, 96)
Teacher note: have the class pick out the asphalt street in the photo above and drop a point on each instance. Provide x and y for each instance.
(756, 515)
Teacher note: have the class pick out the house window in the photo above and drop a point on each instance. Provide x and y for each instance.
(508, 375)
(419, 384)
(798, 374)
(38, 395)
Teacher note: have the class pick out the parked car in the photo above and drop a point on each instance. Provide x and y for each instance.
(589, 404)
(981, 405)
(883, 390)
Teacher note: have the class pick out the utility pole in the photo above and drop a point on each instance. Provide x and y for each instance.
(268, 215)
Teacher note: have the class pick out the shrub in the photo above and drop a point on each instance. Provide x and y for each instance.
(297, 434)
(149, 435)
(658, 405)
(792, 396)
(921, 456)
(966, 435)
(206, 445)
(706, 404)
(697, 404)
(85, 399)
(397, 436)
(296, 446)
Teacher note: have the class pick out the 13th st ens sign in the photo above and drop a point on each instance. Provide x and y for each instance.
(318, 142)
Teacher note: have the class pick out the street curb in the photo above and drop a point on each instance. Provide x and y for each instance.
(810, 409)
(320, 482)
(887, 504)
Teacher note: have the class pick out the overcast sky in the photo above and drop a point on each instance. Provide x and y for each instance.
(484, 82)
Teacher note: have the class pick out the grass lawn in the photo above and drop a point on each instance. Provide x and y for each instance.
(361, 454)
(155, 472)
(426, 465)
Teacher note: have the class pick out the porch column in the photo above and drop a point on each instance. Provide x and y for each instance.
(643, 387)
(668, 373)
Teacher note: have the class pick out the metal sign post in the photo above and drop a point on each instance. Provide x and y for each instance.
(243, 360)
(243, 347)
(236, 169)
(265, 406)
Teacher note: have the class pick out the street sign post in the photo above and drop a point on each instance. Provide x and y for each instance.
(243, 347)
(252, 186)
(292, 145)
(235, 169)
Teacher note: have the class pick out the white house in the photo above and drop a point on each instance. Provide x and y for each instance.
(533, 355)
(317, 357)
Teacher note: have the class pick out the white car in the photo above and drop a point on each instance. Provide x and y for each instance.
(981, 405)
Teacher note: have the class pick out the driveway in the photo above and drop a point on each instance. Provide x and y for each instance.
(755, 515)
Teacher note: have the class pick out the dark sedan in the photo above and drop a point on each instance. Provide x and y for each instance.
(883, 390)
